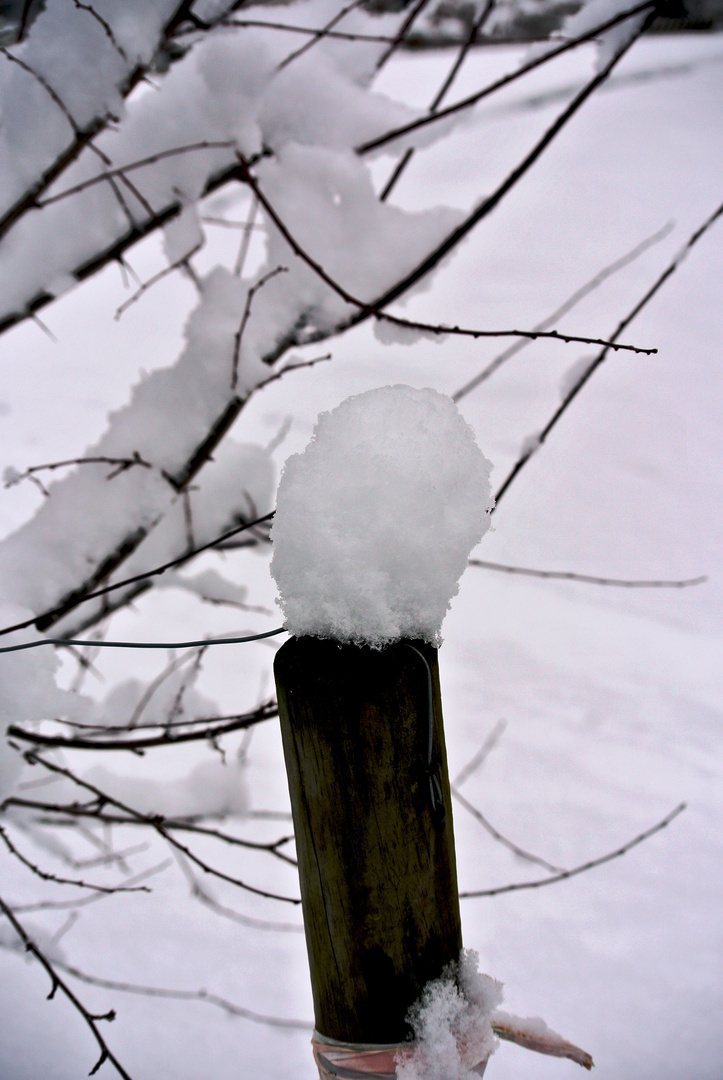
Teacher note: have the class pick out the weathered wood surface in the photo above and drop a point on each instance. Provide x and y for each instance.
(376, 861)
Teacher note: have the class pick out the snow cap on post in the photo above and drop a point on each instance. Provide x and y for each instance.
(375, 520)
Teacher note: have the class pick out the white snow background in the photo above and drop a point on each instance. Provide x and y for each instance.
(612, 698)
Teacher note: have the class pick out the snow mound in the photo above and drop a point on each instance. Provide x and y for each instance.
(376, 519)
(452, 1024)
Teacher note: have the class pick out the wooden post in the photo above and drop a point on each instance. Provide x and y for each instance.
(375, 844)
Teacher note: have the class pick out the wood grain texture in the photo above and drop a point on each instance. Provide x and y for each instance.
(376, 863)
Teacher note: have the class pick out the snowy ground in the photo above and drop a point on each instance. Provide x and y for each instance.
(612, 698)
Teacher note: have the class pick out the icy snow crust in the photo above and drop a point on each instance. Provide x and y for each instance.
(376, 519)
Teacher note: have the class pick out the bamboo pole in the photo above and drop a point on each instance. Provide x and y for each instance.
(373, 823)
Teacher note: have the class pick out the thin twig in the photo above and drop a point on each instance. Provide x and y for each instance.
(564, 874)
(200, 893)
(483, 209)
(466, 103)
(104, 729)
(374, 310)
(248, 226)
(238, 336)
(156, 822)
(482, 754)
(572, 301)
(401, 33)
(339, 35)
(319, 35)
(497, 835)
(155, 278)
(53, 94)
(11, 477)
(156, 683)
(602, 355)
(91, 1019)
(441, 93)
(273, 847)
(186, 995)
(213, 905)
(45, 875)
(142, 163)
(589, 579)
(49, 615)
(105, 27)
(83, 901)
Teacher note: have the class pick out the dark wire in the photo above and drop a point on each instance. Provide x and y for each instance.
(143, 644)
(436, 797)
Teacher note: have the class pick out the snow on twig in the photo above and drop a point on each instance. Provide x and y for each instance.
(48, 616)
(534, 1034)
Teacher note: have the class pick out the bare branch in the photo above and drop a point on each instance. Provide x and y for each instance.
(11, 476)
(214, 728)
(490, 202)
(565, 874)
(441, 93)
(401, 33)
(366, 310)
(248, 227)
(202, 894)
(482, 754)
(83, 901)
(155, 278)
(339, 35)
(95, 643)
(52, 615)
(56, 98)
(106, 1054)
(105, 27)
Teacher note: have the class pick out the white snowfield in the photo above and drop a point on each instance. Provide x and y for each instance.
(604, 703)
